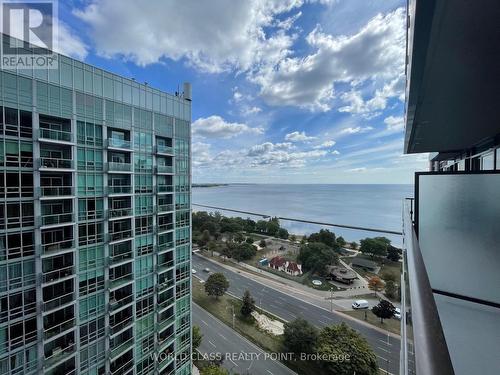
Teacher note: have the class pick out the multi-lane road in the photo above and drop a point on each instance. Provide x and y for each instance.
(288, 307)
(239, 355)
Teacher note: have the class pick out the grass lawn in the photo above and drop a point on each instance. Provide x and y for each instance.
(222, 309)
(391, 325)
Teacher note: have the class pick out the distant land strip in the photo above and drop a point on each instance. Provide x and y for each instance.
(265, 216)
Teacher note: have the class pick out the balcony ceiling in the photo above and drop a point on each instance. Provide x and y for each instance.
(453, 92)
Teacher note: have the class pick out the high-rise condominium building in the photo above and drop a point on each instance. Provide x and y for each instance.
(451, 284)
(94, 224)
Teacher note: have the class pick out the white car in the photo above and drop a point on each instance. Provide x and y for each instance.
(193, 271)
(317, 282)
(360, 304)
(397, 313)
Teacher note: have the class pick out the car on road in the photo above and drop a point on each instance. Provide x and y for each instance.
(397, 313)
(360, 304)
(193, 271)
(207, 270)
(317, 282)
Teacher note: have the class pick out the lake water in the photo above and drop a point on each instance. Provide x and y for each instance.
(371, 206)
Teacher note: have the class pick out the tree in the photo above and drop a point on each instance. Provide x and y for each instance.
(249, 240)
(316, 256)
(375, 246)
(273, 226)
(213, 370)
(340, 241)
(293, 238)
(354, 245)
(262, 243)
(197, 337)
(384, 310)
(282, 233)
(299, 336)
(238, 237)
(389, 276)
(261, 226)
(212, 246)
(244, 251)
(393, 253)
(375, 284)
(205, 238)
(326, 237)
(248, 304)
(216, 285)
(391, 289)
(340, 338)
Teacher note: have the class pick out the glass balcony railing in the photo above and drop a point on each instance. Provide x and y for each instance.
(58, 301)
(119, 325)
(120, 189)
(55, 163)
(120, 212)
(164, 169)
(119, 167)
(53, 275)
(91, 215)
(57, 246)
(56, 191)
(119, 143)
(56, 135)
(121, 235)
(165, 227)
(165, 246)
(165, 188)
(427, 352)
(55, 219)
(162, 208)
(116, 282)
(116, 304)
(121, 347)
(58, 354)
(164, 149)
(58, 328)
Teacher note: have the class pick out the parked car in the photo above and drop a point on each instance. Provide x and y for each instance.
(193, 271)
(397, 313)
(360, 304)
(206, 269)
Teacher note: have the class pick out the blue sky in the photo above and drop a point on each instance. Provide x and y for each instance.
(290, 91)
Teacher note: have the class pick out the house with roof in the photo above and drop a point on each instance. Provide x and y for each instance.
(281, 264)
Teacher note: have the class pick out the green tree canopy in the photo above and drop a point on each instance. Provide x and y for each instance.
(342, 340)
(216, 285)
(282, 233)
(384, 310)
(213, 370)
(375, 246)
(325, 237)
(197, 337)
(248, 304)
(244, 251)
(316, 256)
(393, 253)
(299, 336)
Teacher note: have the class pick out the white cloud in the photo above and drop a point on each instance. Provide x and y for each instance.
(217, 127)
(268, 147)
(326, 144)
(247, 111)
(395, 124)
(355, 130)
(335, 152)
(298, 137)
(375, 53)
(213, 36)
(357, 170)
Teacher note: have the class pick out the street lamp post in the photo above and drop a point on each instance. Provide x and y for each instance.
(331, 299)
(232, 308)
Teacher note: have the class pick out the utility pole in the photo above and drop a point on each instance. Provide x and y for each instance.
(331, 299)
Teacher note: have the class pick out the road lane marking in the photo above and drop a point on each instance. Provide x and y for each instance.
(281, 298)
(385, 342)
(326, 317)
(234, 363)
(270, 372)
(211, 343)
(384, 350)
(204, 322)
(222, 336)
(322, 321)
(382, 358)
